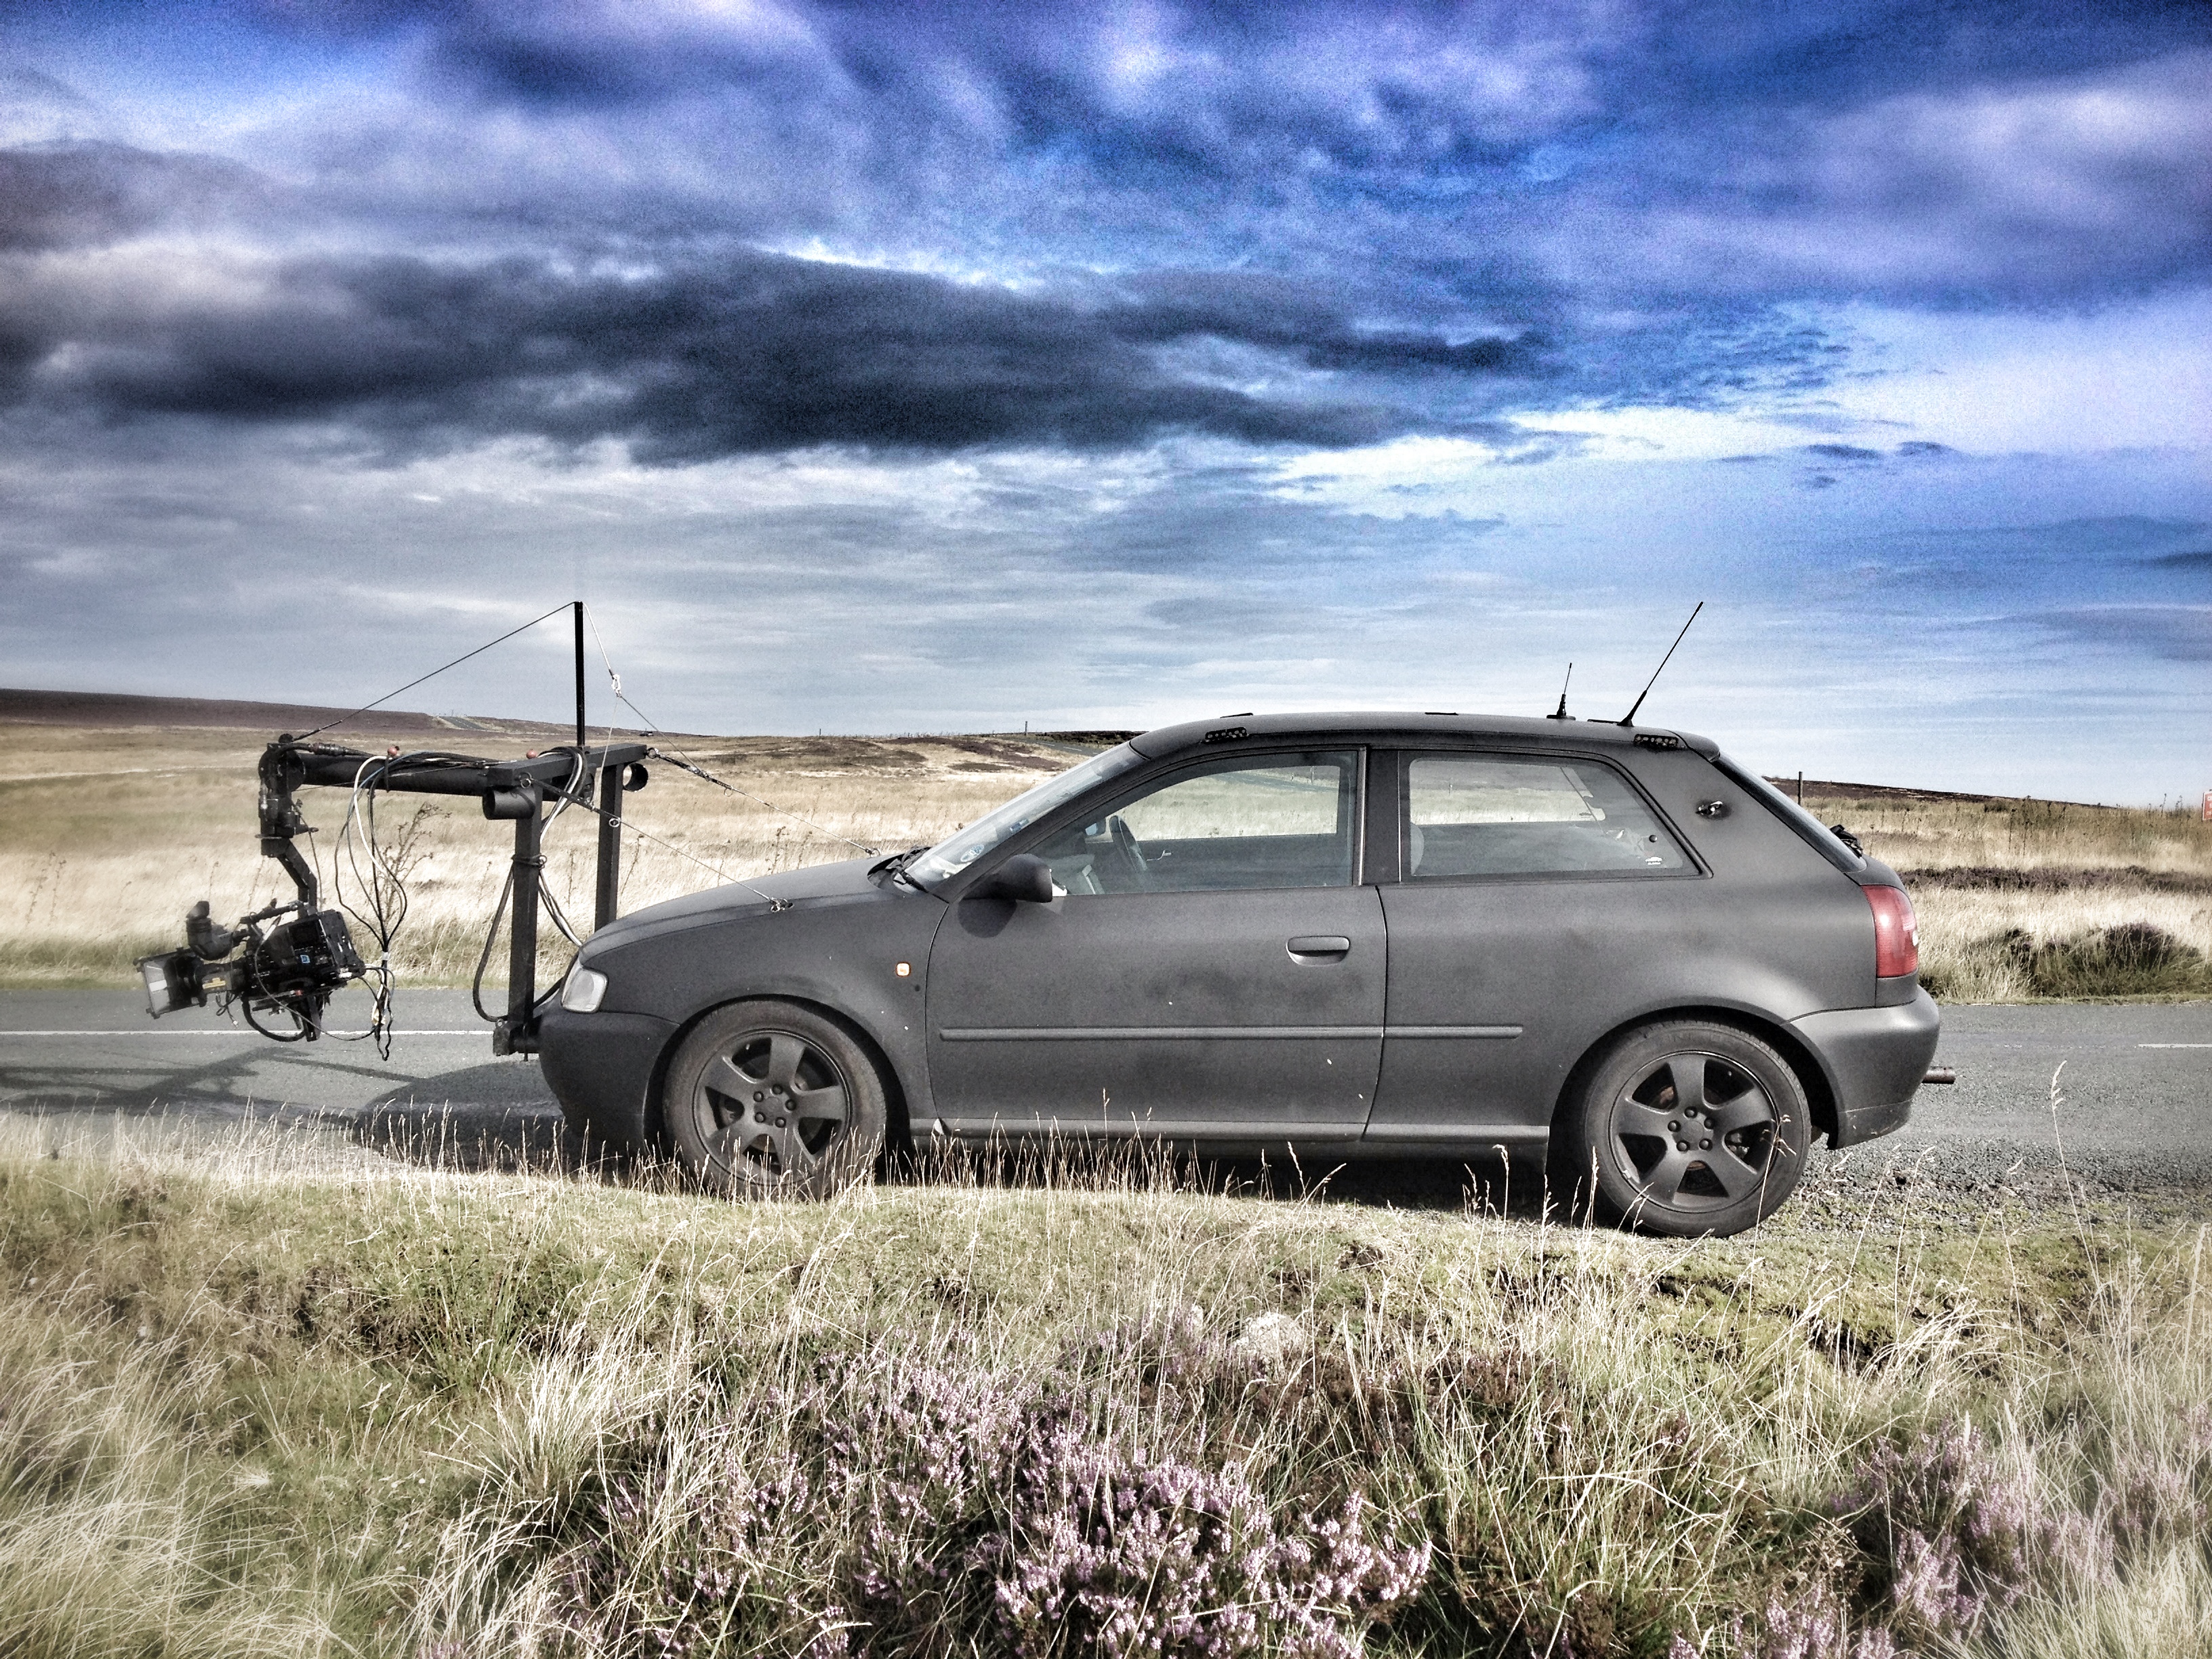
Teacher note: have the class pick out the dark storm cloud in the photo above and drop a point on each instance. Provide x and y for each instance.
(77, 195)
(1427, 211)
(1365, 86)
(1615, 206)
(749, 352)
(1977, 152)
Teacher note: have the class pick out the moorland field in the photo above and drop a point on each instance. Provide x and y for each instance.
(267, 1391)
(109, 833)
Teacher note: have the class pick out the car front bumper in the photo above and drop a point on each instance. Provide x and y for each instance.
(1875, 1058)
(601, 1067)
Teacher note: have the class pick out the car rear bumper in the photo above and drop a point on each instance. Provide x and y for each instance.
(1875, 1058)
(601, 1067)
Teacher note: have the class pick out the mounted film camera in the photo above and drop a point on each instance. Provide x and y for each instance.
(290, 969)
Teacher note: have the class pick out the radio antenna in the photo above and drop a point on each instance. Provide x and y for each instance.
(1629, 719)
(1561, 712)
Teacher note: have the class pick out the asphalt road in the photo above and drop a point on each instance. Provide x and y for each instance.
(2133, 1085)
(96, 1058)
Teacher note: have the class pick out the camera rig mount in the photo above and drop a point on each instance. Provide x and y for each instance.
(292, 957)
(289, 969)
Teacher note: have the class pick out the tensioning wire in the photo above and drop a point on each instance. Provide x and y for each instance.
(434, 672)
(677, 758)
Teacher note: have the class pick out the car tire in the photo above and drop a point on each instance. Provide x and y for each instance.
(1684, 1128)
(767, 1099)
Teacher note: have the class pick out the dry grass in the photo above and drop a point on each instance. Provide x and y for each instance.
(1966, 955)
(2092, 868)
(2022, 835)
(107, 838)
(264, 1396)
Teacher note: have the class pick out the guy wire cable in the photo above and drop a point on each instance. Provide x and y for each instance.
(434, 672)
(677, 758)
(385, 917)
(713, 870)
(784, 811)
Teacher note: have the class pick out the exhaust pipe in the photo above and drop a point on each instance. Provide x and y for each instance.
(1939, 1074)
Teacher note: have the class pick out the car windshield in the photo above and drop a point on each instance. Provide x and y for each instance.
(959, 850)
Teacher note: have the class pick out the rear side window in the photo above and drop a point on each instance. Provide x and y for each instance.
(1495, 815)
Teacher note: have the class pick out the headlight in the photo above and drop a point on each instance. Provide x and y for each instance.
(585, 986)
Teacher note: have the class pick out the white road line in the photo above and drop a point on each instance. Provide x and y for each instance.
(2174, 1045)
(482, 1030)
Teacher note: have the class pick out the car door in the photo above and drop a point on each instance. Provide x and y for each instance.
(1540, 898)
(1211, 970)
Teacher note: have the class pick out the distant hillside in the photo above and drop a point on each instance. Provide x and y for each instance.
(107, 709)
(1815, 790)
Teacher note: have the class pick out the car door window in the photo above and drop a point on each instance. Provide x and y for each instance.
(1258, 821)
(1492, 815)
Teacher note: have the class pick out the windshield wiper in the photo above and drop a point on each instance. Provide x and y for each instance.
(897, 863)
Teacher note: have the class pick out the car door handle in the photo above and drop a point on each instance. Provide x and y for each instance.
(1327, 946)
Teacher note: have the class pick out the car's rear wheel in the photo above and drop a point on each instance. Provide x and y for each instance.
(1684, 1128)
(770, 1100)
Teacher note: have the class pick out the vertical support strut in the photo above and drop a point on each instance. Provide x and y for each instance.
(522, 939)
(580, 675)
(610, 888)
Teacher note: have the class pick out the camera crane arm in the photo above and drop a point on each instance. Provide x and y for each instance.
(293, 968)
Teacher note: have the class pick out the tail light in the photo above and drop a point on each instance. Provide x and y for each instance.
(1896, 933)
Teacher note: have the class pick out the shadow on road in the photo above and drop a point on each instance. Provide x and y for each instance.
(458, 1121)
(1490, 1186)
(445, 1123)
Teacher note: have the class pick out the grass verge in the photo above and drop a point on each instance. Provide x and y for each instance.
(260, 1396)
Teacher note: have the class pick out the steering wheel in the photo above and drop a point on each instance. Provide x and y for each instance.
(1128, 856)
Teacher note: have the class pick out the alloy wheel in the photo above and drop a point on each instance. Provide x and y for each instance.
(773, 1107)
(1693, 1131)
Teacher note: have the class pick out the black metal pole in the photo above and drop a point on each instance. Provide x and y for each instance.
(522, 936)
(610, 806)
(580, 674)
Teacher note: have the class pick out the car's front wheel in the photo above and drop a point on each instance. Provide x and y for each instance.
(1684, 1128)
(768, 1099)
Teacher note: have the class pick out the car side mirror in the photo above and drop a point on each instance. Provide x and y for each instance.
(1026, 878)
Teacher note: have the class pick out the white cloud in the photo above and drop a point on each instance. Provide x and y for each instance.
(2079, 382)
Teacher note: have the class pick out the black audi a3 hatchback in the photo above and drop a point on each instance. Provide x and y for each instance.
(1355, 935)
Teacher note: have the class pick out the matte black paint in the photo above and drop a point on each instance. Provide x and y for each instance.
(1451, 1022)
(1121, 1010)
(837, 948)
(603, 1067)
(1876, 1059)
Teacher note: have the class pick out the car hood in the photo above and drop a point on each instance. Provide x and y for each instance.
(846, 882)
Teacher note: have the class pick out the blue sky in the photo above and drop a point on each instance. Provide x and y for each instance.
(945, 367)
